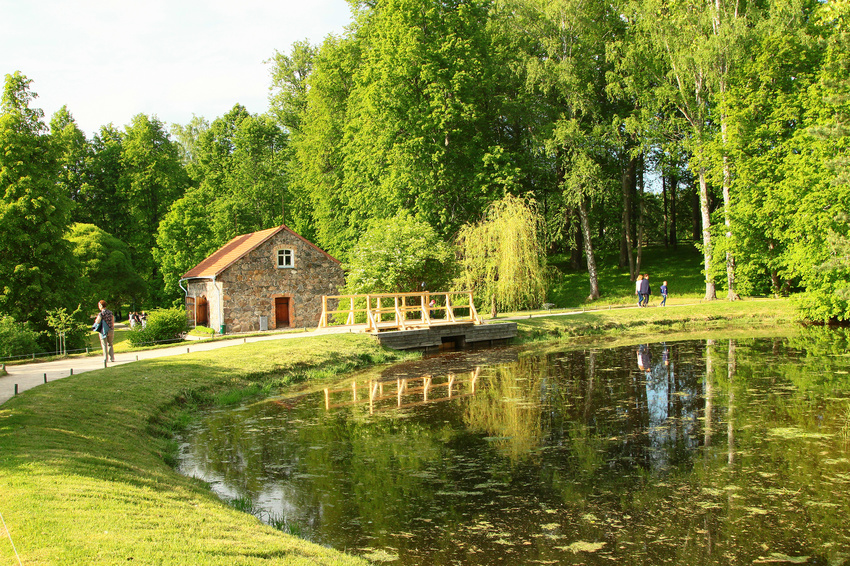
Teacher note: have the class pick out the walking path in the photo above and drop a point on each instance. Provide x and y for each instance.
(27, 376)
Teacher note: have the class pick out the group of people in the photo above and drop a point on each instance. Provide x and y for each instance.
(643, 291)
(138, 318)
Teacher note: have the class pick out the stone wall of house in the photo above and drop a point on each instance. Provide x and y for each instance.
(249, 286)
(206, 288)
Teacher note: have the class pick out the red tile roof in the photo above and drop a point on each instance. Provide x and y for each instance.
(230, 252)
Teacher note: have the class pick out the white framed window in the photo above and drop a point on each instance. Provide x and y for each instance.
(285, 259)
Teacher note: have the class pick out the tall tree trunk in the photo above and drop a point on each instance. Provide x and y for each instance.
(673, 189)
(727, 204)
(642, 211)
(588, 250)
(723, 66)
(695, 216)
(666, 205)
(626, 186)
(710, 291)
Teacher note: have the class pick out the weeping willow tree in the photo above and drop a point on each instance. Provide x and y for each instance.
(502, 256)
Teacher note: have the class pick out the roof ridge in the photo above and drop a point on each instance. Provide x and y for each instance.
(237, 247)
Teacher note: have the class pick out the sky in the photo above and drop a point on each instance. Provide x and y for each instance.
(108, 60)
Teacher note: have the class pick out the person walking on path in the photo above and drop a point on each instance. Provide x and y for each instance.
(105, 325)
(663, 295)
(637, 289)
(645, 291)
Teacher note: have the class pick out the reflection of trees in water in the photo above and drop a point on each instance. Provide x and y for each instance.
(607, 412)
(507, 409)
(579, 445)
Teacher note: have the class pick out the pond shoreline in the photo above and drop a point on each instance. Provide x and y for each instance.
(86, 468)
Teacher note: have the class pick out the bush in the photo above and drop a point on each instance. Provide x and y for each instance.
(162, 325)
(16, 338)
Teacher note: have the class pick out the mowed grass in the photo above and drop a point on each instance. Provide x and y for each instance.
(85, 462)
(681, 321)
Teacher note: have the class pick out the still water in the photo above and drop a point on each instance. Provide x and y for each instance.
(708, 452)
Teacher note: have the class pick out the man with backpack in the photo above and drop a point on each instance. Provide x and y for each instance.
(105, 325)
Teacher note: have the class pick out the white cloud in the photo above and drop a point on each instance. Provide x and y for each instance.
(108, 61)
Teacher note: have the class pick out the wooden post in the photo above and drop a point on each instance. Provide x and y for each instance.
(354, 390)
(399, 322)
(327, 399)
(350, 320)
(16, 389)
(45, 378)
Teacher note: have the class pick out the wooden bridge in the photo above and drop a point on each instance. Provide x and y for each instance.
(399, 311)
(405, 321)
(404, 392)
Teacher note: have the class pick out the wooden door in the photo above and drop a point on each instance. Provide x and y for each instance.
(202, 312)
(281, 312)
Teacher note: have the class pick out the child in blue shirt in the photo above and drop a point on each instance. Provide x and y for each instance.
(663, 295)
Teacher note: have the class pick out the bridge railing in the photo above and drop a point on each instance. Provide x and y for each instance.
(399, 311)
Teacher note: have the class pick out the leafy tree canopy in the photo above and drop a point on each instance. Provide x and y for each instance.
(399, 255)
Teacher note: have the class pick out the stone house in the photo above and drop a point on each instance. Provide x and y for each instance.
(268, 279)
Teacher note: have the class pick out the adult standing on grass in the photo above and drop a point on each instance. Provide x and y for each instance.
(645, 291)
(637, 289)
(663, 295)
(105, 325)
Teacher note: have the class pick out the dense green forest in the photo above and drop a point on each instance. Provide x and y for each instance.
(621, 124)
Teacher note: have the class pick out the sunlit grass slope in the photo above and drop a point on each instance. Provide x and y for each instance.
(85, 475)
(681, 320)
(681, 268)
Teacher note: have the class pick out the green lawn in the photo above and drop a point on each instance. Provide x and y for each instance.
(85, 474)
(682, 320)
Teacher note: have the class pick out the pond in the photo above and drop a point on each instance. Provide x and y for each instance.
(700, 452)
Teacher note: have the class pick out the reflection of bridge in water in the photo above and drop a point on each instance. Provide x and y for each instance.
(405, 391)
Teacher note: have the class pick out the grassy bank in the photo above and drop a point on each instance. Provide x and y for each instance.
(85, 462)
(682, 319)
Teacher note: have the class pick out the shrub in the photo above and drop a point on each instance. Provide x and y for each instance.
(162, 325)
(16, 338)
